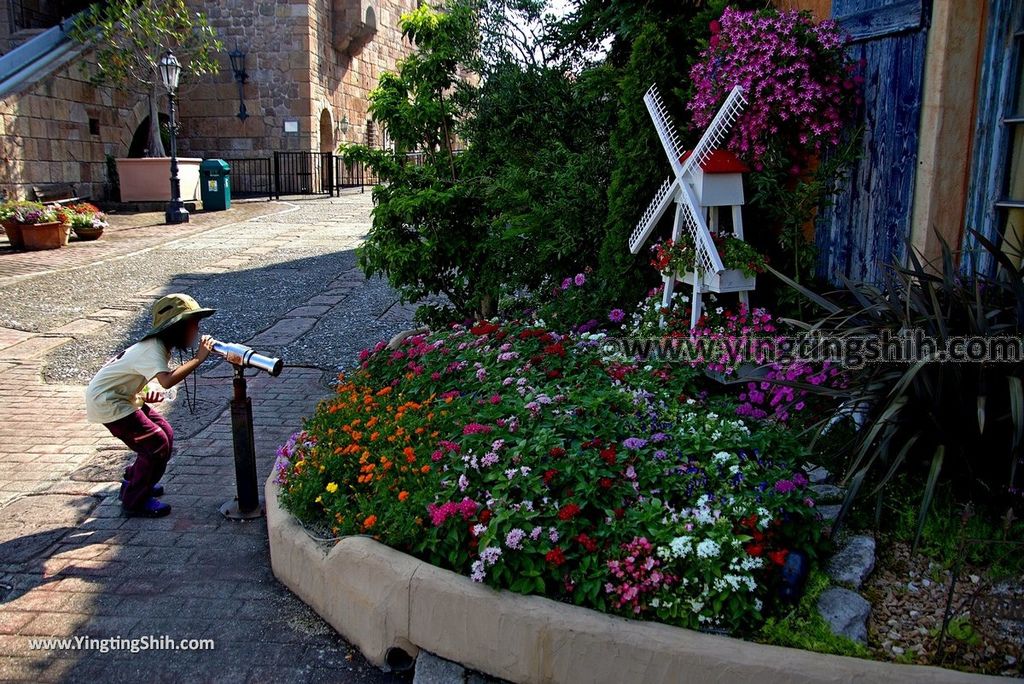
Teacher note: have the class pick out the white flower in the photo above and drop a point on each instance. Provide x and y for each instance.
(708, 549)
(721, 457)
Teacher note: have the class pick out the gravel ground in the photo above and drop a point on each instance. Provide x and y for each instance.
(908, 596)
(248, 300)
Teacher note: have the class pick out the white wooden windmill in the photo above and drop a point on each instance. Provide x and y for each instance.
(706, 179)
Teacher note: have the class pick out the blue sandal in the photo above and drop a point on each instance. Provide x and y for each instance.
(152, 508)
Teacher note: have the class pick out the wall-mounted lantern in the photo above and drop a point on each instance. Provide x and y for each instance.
(237, 57)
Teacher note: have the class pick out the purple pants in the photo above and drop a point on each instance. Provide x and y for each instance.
(150, 436)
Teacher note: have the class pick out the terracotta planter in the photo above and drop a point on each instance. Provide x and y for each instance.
(13, 231)
(45, 235)
(87, 234)
(148, 179)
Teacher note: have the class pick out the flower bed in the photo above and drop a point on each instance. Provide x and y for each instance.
(538, 463)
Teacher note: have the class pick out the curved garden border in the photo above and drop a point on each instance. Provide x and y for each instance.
(381, 599)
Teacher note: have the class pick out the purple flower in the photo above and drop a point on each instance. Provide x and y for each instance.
(580, 280)
(514, 539)
(783, 486)
(616, 315)
(634, 443)
(567, 283)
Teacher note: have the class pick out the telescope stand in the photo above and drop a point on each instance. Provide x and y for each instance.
(246, 506)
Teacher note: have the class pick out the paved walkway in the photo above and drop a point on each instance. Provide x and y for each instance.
(70, 564)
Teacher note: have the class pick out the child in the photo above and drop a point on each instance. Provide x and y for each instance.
(114, 398)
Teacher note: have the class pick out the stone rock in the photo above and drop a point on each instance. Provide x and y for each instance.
(827, 492)
(433, 670)
(830, 512)
(846, 613)
(854, 561)
(816, 474)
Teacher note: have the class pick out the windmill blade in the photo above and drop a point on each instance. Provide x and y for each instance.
(654, 212)
(707, 259)
(716, 132)
(666, 131)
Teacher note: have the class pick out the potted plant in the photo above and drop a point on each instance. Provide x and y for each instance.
(41, 227)
(128, 38)
(86, 220)
(12, 227)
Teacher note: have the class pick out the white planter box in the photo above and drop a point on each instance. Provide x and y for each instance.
(729, 280)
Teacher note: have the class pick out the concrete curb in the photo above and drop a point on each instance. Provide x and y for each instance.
(380, 599)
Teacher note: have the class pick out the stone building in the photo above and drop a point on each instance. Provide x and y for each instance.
(309, 64)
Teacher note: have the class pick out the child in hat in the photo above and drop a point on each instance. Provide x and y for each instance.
(114, 397)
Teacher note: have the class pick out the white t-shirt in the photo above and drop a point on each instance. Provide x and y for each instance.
(113, 392)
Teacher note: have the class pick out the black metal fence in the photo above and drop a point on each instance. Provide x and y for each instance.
(298, 173)
(252, 177)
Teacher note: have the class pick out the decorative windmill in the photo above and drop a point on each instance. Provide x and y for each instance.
(706, 179)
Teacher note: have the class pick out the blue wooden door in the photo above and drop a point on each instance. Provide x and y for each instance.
(868, 223)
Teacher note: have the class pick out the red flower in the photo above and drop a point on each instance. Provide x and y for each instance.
(749, 522)
(484, 516)
(568, 511)
(555, 349)
(755, 550)
(586, 542)
(605, 483)
(556, 452)
(608, 455)
(555, 556)
(549, 475)
(619, 513)
(596, 442)
(778, 557)
(483, 328)
(554, 374)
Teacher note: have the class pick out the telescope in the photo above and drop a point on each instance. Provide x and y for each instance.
(242, 356)
(246, 505)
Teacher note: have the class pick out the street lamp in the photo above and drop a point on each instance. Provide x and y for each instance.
(238, 67)
(170, 72)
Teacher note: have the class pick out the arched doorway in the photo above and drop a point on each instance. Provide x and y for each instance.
(326, 132)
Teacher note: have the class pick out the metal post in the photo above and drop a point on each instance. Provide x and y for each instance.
(246, 506)
(176, 211)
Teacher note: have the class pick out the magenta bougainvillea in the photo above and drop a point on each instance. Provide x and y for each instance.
(802, 87)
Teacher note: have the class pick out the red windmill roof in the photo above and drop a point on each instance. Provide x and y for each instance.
(721, 161)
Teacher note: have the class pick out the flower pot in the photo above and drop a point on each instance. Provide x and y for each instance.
(147, 179)
(87, 234)
(13, 231)
(45, 235)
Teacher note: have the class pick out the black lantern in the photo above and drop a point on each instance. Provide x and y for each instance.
(170, 72)
(237, 58)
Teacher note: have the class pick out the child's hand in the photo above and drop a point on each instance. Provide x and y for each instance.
(154, 397)
(205, 347)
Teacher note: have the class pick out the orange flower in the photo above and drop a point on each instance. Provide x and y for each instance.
(410, 455)
(403, 495)
(370, 521)
(384, 390)
(425, 469)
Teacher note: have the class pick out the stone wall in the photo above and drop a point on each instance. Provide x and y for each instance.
(296, 72)
(46, 135)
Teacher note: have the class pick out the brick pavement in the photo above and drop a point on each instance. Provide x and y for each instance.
(72, 565)
(128, 233)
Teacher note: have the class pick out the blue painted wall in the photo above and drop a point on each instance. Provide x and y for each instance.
(868, 224)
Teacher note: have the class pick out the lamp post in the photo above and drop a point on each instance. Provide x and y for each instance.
(238, 67)
(170, 72)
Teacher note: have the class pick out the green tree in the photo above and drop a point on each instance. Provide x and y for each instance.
(128, 38)
(430, 233)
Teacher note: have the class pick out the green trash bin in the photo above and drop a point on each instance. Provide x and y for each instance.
(215, 184)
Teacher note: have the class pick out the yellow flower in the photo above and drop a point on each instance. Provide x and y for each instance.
(320, 499)
(332, 487)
